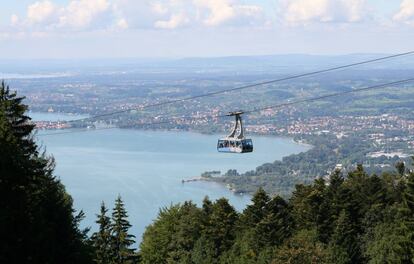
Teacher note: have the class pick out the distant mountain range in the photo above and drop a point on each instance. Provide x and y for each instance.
(262, 63)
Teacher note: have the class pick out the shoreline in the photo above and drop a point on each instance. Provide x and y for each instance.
(287, 137)
(212, 180)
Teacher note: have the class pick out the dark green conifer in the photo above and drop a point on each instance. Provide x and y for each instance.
(186, 233)
(302, 247)
(102, 239)
(207, 206)
(408, 215)
(221, 227)
(400, 166)
(389, 243)
(344, 246)
(331, 206)
(122, 253)
(409, 193)
(275, 226)
(255, 212)
(37, 221)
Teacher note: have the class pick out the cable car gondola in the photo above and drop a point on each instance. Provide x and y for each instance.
(235, 143)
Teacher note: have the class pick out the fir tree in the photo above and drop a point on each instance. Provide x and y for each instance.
(301, 248)
(408, 214)
(158, 237)
(207, 207)
(37, 221)
(275, 226)
(409, 193)
(221, 226)
(400, 166)
(186, 233)
(121, 239)
(388, 244)
(344, 247)
(102, 239)
(255, 212)
(204, 251)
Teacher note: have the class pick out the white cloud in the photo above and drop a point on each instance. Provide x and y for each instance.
(41, 12)
(146, 13)
(222, 11)
(406, 12)
(90, 15)
(122, 24)
(76, 15)
(307, 11)
(219, 11)
(81, 13)
(174, 22)
(171, 14)
(14, 20)
(159, 8)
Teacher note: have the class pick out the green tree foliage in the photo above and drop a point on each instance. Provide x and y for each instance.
(302, 247)
(255, 212)
(171, 238)
(121, 240)
(37, 221)
(344, 247)
(102, 240)
(357, 218)
(408, 215)
(220, 228)
(388, 244)
(400, 166)
(204, 251)
(409, 193)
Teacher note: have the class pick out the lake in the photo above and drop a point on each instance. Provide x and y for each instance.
(146, 168)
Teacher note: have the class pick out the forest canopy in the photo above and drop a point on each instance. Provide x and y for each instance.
(359, 218)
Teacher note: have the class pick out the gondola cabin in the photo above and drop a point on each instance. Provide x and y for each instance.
(235, 143)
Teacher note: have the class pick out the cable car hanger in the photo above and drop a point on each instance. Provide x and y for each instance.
(235, 142)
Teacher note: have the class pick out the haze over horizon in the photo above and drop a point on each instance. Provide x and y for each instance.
(90, 29)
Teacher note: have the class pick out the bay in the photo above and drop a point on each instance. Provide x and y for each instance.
(147, 168)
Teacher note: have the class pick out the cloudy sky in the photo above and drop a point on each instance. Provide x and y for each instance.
(186, 28)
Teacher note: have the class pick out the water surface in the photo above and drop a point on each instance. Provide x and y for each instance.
(146, 169)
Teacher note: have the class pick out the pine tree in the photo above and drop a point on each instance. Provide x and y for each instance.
(185, 233)
(204, 251)
(331, 206)
(409, 193)
(121, 239)
(275, 226)
(207, 206)
(102, 239)
(400, 166)
(221, 226)
(255, 212)
(37, 221)
(344, 247)
(388, 244)
(301, 209)
(158, 237)
(301, 248)
(408, 215)
(15, 127)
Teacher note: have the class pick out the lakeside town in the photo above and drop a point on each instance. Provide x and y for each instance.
(383, 130)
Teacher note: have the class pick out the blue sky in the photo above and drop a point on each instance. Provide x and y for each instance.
(186, 28)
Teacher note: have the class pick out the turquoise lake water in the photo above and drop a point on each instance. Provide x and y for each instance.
(146, 168)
